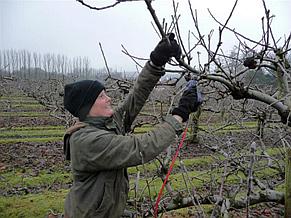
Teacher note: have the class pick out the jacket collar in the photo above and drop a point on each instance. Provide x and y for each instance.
(67, 136)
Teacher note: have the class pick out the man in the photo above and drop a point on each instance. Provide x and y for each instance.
(98, 147)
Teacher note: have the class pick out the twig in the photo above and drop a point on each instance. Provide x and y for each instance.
(250, 175)
(107, 68)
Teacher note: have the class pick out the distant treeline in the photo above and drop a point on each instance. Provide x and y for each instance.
(23, 64)
(32, 65)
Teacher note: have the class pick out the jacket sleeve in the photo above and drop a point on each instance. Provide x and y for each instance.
(93, 152)
(146, 81)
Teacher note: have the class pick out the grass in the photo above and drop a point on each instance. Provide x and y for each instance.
(17, 178)
(194, 162)
(143, 129)
(32, 205)
(31, 133)
(38, 205)
(176, 181)
(271, 151)
(32, 128)
(40, 139)
(19, 100)
(219, 127)
(246, 126)
(198, 161)
(15, 97)
(24, 114)
(24, 106)
(189, 211)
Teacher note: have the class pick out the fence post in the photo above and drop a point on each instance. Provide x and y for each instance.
(288, 185)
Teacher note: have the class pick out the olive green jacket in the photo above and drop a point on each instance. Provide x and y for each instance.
(101, 151)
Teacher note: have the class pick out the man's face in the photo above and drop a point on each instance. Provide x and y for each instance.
(102, 106)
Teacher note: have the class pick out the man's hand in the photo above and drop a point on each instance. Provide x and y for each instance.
(189, 102)
(167, 48)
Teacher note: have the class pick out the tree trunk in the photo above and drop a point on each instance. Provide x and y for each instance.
(194, 127)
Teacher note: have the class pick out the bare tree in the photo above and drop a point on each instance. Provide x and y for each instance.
(232, 96)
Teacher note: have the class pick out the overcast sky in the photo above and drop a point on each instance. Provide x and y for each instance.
(66, 27)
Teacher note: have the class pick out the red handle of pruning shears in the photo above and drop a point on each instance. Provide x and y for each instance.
(169, 172)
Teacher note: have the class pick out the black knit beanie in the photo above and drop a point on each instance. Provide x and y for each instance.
(80, 96)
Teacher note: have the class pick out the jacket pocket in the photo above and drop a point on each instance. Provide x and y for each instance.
(106, 201)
